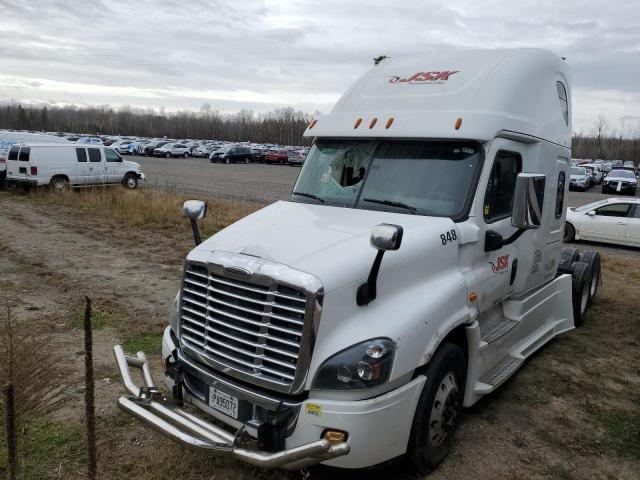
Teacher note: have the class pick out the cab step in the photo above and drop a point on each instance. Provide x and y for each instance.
(494, 377)
(496, 328)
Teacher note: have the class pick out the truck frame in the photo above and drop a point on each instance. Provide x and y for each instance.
(292, 342)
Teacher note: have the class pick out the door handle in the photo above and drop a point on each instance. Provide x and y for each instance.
(620, 223)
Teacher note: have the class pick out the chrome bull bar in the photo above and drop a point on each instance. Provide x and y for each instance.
(149, 406)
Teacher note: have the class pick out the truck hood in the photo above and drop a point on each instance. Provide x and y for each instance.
(331, 243)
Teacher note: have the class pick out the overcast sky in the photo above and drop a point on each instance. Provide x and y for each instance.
(262, 54)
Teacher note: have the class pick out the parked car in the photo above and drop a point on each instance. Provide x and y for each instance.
(613, 220)
(258, 154)
(63, 166)
(579, 179)
(231, 154)
(596, 172)
(620, 181)
(277, 157)
(296, 158)
(90, 140)
(151, 146)
(169, 150)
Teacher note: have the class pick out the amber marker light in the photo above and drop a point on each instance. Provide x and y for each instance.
(335, 436)
(374, 120)
(312, 123)
(389, 123)
(357, 124)
(473, 296)
(458, 124)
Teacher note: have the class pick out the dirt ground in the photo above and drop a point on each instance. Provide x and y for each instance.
(572, 412)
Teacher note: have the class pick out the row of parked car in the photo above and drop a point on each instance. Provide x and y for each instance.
(614, 178)
(215, 151)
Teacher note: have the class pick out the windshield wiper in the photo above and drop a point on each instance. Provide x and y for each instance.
(309, 195)
(391, 203)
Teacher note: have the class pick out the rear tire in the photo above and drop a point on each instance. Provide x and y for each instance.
(435, 418)
(580, 288)
(59, 185)
(246, 161)
(568, 257)
(130, 181)
(186, 155)
(569, 233)
(592, 258)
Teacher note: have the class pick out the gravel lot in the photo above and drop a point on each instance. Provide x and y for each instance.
(254, 182)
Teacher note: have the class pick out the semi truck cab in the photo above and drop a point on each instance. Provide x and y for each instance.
(416, 266)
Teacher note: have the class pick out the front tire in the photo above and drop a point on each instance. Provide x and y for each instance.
(435, 419)
(130, 181)
(168, 155)
(186, 155)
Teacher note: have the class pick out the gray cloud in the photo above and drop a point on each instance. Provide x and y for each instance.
(260, 54)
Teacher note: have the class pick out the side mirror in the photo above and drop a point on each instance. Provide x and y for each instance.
(591, 213)
(194, 210)
(383, 237)
(528, 200)
(386, 237)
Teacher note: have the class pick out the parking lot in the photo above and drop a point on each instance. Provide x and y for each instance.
(254, 182)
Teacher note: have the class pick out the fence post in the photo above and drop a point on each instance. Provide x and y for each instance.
(12, 451)
(89, 395)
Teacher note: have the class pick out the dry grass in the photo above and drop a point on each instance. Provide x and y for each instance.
(146, 208)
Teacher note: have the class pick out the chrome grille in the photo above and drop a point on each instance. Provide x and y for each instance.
(244, 327)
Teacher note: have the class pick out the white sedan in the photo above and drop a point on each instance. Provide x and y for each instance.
(614, 220)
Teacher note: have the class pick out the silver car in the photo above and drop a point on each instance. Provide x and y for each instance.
(173, 150)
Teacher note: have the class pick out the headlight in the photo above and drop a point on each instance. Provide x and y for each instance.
(364, 365)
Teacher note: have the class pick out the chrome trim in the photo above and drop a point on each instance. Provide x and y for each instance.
(155, 411)
(259, 273)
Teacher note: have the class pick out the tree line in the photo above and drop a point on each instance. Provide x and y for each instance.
(283, 126)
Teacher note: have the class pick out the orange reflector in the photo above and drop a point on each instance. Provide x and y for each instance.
(473, 296)
(458, 123)
(357, 124)
(313, 123)
(335, 436)
(389, 122)
(373, 122)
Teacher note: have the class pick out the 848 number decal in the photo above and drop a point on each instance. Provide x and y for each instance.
(448, 237)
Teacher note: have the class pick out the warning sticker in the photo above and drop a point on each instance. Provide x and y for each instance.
(314, 409)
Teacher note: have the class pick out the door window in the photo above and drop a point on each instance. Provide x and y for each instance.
(614, 210)
(636, 214)
(13, 153)
(81, 154)
(94, 155)
(560, 194)
(111, 156)
(498, 200)
(24, 154)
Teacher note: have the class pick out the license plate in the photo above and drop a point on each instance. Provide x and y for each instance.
(223, 402)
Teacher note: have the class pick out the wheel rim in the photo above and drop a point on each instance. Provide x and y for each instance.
(594, 280)
(131, 182)
(59, 187)
(584, 300)
(444, 411)
(246, 160)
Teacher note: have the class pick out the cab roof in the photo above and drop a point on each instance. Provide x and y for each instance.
(493, 92)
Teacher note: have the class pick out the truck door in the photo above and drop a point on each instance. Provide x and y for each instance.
(495, 270)
(97, 167)
(82, 166)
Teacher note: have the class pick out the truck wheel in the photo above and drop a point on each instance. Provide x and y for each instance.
(435, 419)
(130, 181)
(59, 185)
(592, 258)
(568, 256)
(569, 233)
(580, 288)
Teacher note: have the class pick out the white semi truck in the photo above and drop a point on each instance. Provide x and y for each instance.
(293, 342)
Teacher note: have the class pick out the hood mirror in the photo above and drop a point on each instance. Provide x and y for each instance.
(384, 237)
(195, 210)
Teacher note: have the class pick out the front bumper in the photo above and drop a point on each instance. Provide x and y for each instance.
(149, 406)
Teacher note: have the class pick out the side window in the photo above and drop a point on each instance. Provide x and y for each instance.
(81, 153)
(13, 153)
(560, 194)
(637, 212)
(24, 154)
(94, 155)
(498, 200)
(614, 210)
(564, 101)
(111, 156)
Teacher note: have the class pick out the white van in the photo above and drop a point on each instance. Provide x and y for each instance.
(64, 166)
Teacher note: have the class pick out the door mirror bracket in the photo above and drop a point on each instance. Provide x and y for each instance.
(194, 210)
(383, 237)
